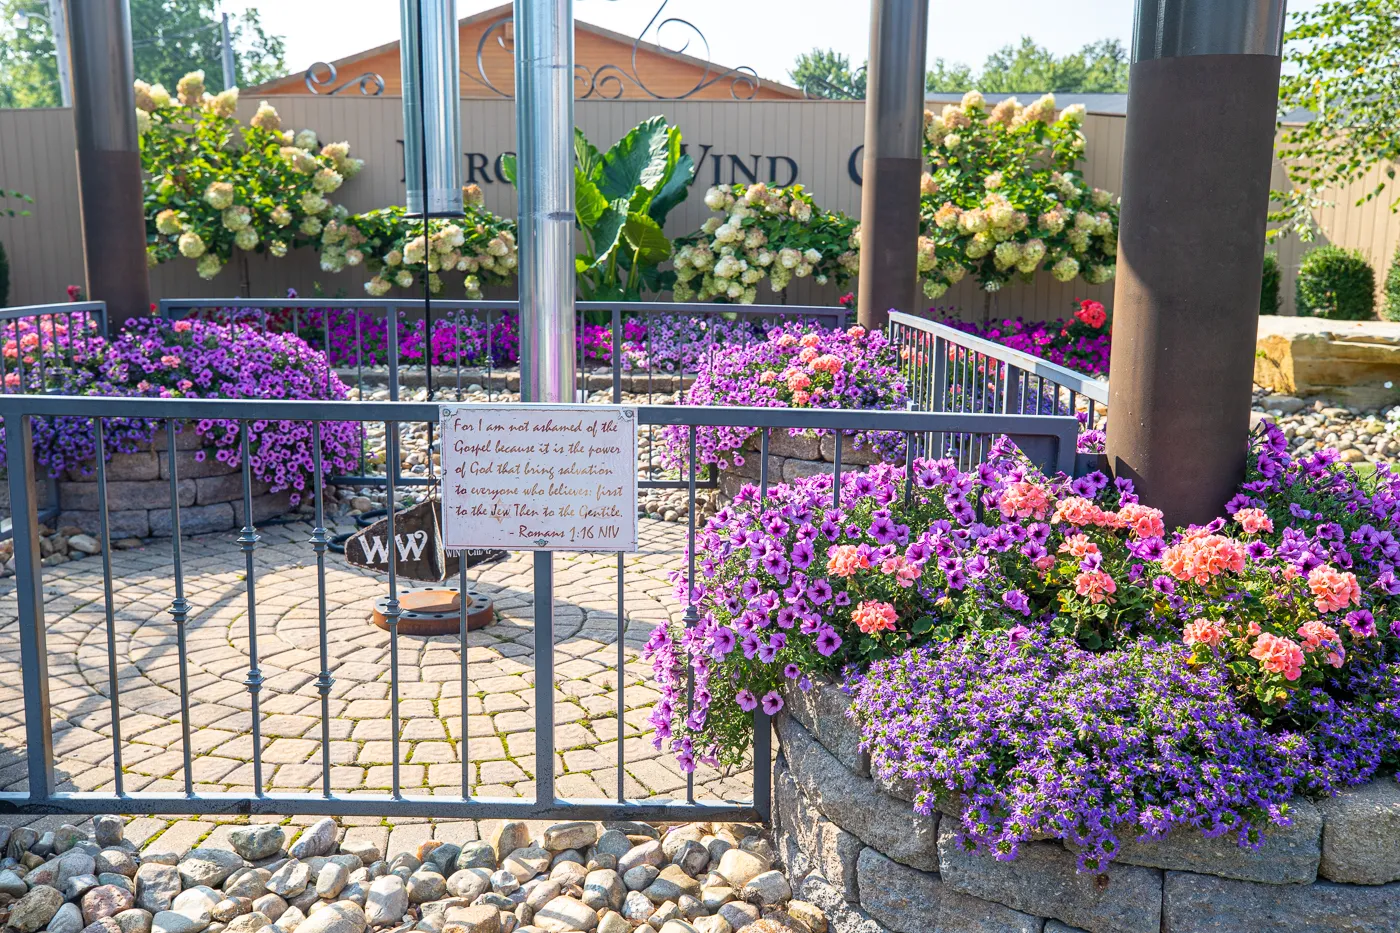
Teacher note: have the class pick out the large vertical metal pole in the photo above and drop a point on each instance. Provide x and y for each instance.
(109, 157)
(432, 108)
(1203, 90)
(893, 159)
(544, 122)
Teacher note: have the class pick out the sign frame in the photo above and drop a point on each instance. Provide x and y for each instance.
(623, 413)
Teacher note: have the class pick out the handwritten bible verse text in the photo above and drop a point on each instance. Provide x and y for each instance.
(539, 477)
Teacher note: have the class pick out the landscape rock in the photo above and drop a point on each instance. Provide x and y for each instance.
(135, 920)
(106, 901)
(1043, 881)
(198, 901)
(566, 915)
(257, 841)
(507, 837)
(575, 835)
(249, 882)
(156, 886)
(339, 917)
(74, 888)
(640, 877)
(481, 918)
(69, 919)
(741, 867)
(316, 839)
(332, 878)
(115, 861)
(12, 884)
(1360, 829)
(648, 853)
(33, 911)
(230, 907)
(768, 889)
(108, 830)
(718, 925)
(270, 906)
(613, 922)
(469, 883)
(476, 854)
(290, 880)
(67, 836)
(1203, 904)
(812, 917)
(208, 866)
(387, 901)
(637, 907)
(606, 887)
(170, 921)
(102, 925)
(1288, 855)
(526, 862)
(670, 884)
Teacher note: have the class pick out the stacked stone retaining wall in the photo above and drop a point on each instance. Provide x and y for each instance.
(855, 847)
(210, 492)
(792, 457)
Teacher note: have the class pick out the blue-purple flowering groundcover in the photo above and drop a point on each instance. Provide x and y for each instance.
(150, 358)
(1043, 657)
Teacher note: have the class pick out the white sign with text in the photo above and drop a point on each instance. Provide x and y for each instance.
(539, 477)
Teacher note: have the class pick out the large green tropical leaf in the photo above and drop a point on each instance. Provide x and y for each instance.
(589, 203)
(606, 234)
(642, 159)
(649, 245)
(586, 156)
(675, 190)
(508, 167)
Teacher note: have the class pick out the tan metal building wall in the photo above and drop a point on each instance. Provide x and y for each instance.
(730, 140)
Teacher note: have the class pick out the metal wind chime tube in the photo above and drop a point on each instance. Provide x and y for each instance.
(432, 119)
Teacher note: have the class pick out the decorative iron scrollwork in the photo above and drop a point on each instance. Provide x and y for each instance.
(315, 82)
(610, 81)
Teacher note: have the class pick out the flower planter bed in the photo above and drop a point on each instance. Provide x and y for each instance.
(855, 847)
(507, 379)
(138, 492)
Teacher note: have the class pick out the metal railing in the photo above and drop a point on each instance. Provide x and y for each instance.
(1049, 440)
(953, 371)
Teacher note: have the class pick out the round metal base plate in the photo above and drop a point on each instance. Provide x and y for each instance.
(435, 612)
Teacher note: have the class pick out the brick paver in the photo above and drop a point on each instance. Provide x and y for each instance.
(500, 739)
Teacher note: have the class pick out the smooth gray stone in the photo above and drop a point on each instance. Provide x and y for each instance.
(1202, 904)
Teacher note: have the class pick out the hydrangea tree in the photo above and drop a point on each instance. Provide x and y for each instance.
(773, 233)
(391, 243)
(214, 185)
(1005, 198)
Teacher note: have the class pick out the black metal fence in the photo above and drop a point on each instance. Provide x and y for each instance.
(1049, 439)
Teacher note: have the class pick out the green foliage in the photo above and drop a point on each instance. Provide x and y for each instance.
(1390, 309)
(4, 278)
(949, 77)
(1269, 293)
(1005, 197)
(1336, 283)
(15, 211)
(827, 73)
(213, 185)
(169, 38)
(1339, 64)
(621, 199)
(1098, 68)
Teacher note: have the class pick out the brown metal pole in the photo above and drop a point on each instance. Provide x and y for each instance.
(109, 157)
(1199, 141)
(893, 160)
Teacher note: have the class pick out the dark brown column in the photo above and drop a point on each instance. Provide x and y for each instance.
(894, 127)
(1199, 141)
(109, 157)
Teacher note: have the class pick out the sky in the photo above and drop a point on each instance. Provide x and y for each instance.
(764, 34)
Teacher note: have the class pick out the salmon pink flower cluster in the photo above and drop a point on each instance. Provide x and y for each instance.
(1263, 645)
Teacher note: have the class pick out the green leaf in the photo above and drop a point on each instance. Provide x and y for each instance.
(674, 191)
(606, 234)
(586, 156)
(924, 624)
(641, 159)
(508, 167)
(649, 244)
(589, 203)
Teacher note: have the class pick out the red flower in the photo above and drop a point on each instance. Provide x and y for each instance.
(1091, 312)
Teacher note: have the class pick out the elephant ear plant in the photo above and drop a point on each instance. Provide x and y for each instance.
(621, 199)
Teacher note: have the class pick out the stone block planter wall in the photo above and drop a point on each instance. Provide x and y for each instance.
(792, 457)
(210, 493)
(855, 847)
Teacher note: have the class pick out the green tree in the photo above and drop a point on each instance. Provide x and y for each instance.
(169, 38)
(1339, 65)
(949, 76)
(827, 73)
(1098, 68)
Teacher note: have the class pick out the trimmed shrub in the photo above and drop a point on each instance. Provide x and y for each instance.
(1336, 283)
(1269, 295)
(1390, 310)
